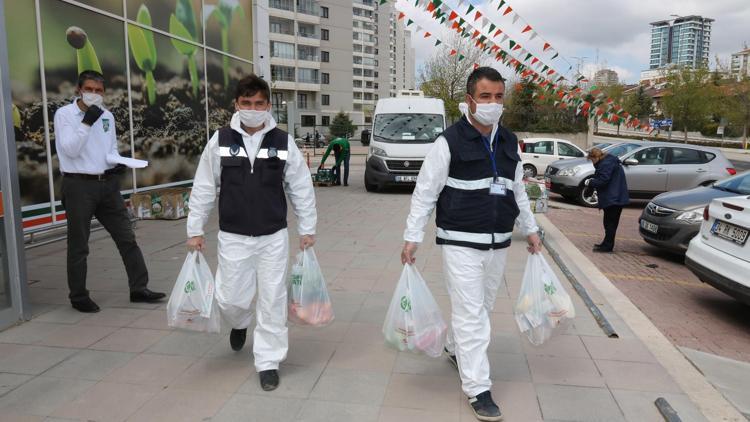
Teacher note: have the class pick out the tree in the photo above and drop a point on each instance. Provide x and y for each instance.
(341, 126)
(521, 113)
(444, 75)
(639, 104)
(690, 98)
(738, 107)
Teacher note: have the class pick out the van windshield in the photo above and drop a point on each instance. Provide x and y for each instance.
(407, 128)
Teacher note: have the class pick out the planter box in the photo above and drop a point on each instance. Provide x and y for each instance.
(161, 204)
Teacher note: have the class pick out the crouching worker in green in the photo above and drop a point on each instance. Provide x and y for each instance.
(341, 152)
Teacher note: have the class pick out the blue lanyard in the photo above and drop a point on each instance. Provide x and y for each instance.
(492, 151)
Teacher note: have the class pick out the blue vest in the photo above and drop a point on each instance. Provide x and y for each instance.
(251, 199)
(467, 215)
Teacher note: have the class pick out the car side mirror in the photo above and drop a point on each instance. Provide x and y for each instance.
(630, 162)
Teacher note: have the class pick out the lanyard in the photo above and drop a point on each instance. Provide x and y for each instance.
(492, 150)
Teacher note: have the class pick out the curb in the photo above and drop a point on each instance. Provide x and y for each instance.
(709, 401)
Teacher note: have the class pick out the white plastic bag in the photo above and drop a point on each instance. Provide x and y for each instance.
(543, 304)
(414, 322)
(192, 305)
(308, 299)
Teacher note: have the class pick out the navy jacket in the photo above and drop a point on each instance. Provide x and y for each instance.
(609, 182)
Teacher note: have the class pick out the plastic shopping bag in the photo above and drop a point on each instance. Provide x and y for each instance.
(543, 304)
(192, 305)
(414, 322)
(309, 303)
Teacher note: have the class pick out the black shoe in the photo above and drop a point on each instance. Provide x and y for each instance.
(237, 338)
(451, 358)
(602, 249)
(85, 305)
(485, 408)
(269, 380)
(598, 245)
(346, 184)
(146, 296)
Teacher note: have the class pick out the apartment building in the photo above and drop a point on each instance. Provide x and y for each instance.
(334, 55)
(740, 64)
(684, 41)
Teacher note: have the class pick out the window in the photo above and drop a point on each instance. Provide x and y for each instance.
(281, 26)
(324, 34)
(306, 52)
(326, 100)
(308, 121)
(325, 120)
(651, 156)
(686, 156)
(324, 57)
(325, 78)
(282, 73)
(282, 50)
(565, 150)
(357, 72)
(544, 148)
(323, 12)
(302, 101)
(357, 95)
(357, 83)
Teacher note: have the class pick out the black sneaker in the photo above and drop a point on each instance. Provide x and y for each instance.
(451, 358)
(85, 305)
(485, 408)
(269, 379)
(237, 338)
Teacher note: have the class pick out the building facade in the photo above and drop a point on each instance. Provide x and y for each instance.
(684, 41)
(606, 77)
(740, 64)
(334, 55)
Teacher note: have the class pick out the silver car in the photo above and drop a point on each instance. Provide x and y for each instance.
(650, 169)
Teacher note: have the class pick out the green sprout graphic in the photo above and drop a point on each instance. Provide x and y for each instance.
(223, 12)
(144, 50)
(16, 117)
(85, 53)
(182, 24)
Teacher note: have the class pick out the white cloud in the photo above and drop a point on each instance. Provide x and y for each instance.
(620, 31)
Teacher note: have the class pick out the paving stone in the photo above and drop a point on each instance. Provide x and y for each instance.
(42, 395)
(185, 343)
(107, 401)
(351, 386)
(242, 407)
(174, 405)
(569, 403)
(31, 360)
(8, 382)
(630, 350)
(146, 369)
(638, 406)
(296, 381)
(636, 376)
(324, 411)
(564, 371)
(90, 365)
(425, 392)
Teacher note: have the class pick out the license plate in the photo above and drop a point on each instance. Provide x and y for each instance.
(731, 232)
(649, 227)
(406, 178)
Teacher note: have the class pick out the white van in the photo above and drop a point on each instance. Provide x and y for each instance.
(403, 131)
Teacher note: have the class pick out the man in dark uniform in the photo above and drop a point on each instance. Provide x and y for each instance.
(86, 143)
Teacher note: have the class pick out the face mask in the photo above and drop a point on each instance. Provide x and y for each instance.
(253, 118)
(89, 98)
(487, 114)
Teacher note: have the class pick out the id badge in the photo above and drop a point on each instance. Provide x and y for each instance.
(498, 188)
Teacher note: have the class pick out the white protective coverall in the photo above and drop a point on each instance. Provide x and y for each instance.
(248, 263)
(472, 275)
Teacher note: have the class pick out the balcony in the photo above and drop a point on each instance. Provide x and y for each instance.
(281, 4)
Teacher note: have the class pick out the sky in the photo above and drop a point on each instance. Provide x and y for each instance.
(618, 31)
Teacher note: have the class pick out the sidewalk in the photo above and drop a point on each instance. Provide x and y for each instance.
(126, 364)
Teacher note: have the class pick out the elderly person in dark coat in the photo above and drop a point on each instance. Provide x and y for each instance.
(612, 191)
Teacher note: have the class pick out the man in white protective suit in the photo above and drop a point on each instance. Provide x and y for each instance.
(474, 178)
(253, 165)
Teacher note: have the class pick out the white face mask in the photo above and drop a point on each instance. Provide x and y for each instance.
(90, 98)
(253, 118)
(487, 114)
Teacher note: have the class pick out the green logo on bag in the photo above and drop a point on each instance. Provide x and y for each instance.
(189, 287)
(297, 280)
(550, 289)
(405, 304)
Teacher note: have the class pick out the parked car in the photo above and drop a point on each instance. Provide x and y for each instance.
(650, 167)
(720, 256)
(672, 219)
(538, 153)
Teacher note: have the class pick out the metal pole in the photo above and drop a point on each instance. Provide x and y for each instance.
(11, 200)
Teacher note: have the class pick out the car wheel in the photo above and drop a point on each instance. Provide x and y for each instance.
(529, 171)
(708, 183)
(587, 196)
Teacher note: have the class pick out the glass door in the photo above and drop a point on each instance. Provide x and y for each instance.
(13, 288)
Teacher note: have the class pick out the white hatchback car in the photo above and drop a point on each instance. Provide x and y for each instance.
(719, 255)
(538, 153)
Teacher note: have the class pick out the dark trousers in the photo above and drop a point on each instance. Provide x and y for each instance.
(84, 199)
(611, 221)
(337, 169)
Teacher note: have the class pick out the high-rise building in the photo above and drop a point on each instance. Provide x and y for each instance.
(334, 55)
(606, 77)
(740, 65)
(684, 41)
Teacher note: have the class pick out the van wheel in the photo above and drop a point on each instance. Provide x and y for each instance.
(529, 171)
(371, 187)
(587, 196)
